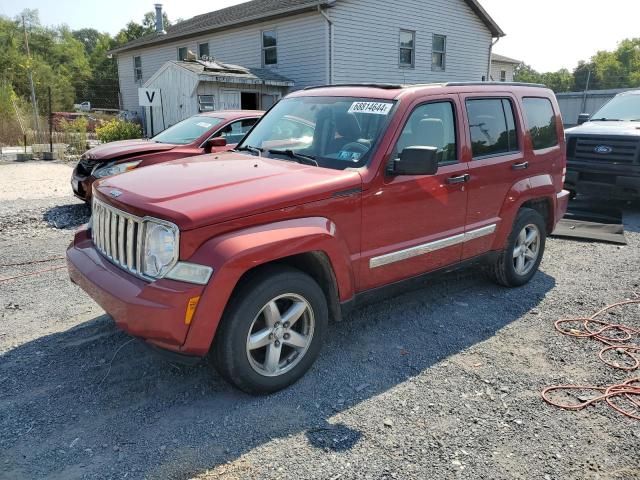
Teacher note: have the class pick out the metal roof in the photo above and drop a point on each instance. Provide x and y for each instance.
(501, 58)
(226, 73)
(254, 11)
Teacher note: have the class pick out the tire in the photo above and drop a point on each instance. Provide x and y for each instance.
(510, 269)
(254, 331)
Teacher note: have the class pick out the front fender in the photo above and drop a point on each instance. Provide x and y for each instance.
(233, 254)
(532, 188)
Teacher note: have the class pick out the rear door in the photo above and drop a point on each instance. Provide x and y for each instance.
(497, 163)
(415, 224)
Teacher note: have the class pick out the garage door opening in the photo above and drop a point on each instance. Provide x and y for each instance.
(249, 101)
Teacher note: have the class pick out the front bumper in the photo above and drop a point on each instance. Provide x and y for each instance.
(81, 185)
(617, 182)
(152, 311)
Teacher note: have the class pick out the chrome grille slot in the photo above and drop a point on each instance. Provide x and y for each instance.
(118, 236)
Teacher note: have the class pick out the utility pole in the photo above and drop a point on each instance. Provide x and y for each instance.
(34, 102)
(586, 87)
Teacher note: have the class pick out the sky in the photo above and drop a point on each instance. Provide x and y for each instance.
(546, 34)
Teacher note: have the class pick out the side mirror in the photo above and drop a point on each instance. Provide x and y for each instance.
(583, 118)
(415, 161)
(214, 143)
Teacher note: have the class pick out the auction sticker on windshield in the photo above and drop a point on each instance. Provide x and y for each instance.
(375, 108)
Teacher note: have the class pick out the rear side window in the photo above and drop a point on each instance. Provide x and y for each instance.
(431, 125)
(493, 127)
(541, 122)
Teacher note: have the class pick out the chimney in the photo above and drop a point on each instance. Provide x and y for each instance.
(159, 19)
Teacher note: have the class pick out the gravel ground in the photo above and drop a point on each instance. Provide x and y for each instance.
(441, 382)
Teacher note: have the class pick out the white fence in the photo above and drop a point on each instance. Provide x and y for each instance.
(573, 104)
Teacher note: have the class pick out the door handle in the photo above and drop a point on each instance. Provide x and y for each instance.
(520, 166)
(461, 179)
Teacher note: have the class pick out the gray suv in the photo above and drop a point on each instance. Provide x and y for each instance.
(603, 153)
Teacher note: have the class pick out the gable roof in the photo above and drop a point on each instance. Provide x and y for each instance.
(502, 59)
(258, 10)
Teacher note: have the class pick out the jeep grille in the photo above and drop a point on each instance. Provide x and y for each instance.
(118, 236)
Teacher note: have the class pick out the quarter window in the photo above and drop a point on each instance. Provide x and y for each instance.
(439, 53)
(407, 48)
(137, 69)
(541, 122)
(203, 50)
(493, 127)
(431, 125)
(182, 53)
(269, 48)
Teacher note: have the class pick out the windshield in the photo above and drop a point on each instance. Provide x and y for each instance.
(622, 107)
(331, 132)
(187, 130)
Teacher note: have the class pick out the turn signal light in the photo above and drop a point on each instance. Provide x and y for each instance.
(191, 310)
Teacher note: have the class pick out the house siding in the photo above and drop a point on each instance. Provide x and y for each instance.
(302, 53)
(366, 41)
(497, 67)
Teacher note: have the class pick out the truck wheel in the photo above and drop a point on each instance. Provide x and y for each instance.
(519, 261)
(272, 331)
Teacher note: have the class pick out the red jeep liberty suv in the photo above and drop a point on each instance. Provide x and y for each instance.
(336, 196)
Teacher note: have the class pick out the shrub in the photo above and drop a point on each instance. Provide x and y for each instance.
(75, 134)
(118, 130)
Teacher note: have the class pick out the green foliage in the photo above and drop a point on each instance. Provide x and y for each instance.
(75, 134)
(617, 69)
(118, 130)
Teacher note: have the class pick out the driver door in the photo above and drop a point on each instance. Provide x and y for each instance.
(415, 224)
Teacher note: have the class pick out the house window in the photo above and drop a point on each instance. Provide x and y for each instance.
(503, 75)
(493, 127)
(182, 53)
(137, 69)
(439, 53)
(407, 48)
(269, 48)
(203, 50)
(206, 103)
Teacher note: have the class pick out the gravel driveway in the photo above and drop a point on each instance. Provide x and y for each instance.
(442, 382)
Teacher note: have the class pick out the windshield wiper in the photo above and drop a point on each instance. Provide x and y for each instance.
(248, 148)
(304, 159)
(605, 120)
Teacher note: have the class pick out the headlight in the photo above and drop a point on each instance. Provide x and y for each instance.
(114, 169)
(160, 249)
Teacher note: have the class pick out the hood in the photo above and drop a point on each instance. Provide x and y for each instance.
(208, 189)
(606, 128)
(125, 149)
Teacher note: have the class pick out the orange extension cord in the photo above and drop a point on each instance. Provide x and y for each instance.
(615, 336)
(31, 262)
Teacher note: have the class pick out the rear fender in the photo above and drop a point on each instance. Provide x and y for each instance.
(234, 254)
(539, 187)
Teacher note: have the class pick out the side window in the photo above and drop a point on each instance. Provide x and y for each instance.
(407, 48)
(431, 125)
(439, 53)
(234, 132)
(182, 53)
(137, 69)
(269, 47)
(493, 127)
(206, 103)
(541, 122)
(203, 50)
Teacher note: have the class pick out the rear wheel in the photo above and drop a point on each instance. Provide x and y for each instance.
(519, 261)
(272, 332)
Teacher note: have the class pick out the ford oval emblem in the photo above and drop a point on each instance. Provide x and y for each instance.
(115, 193)
(603, 149)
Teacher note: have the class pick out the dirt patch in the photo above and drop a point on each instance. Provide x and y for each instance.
(35, 180)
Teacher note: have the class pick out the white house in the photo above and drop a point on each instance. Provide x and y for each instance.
(503, 68)
(315, 42)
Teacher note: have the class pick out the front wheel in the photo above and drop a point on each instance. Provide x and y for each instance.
(519, 261)
(272, 331)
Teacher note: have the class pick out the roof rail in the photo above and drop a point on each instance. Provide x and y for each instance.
(386, 86)
(511, 84)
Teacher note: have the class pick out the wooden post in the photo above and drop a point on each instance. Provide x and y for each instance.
(50, 124)
(151, 119)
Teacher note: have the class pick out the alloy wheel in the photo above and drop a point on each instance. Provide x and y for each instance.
(526, 249)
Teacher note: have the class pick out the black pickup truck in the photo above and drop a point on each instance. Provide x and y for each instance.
(603, 153)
